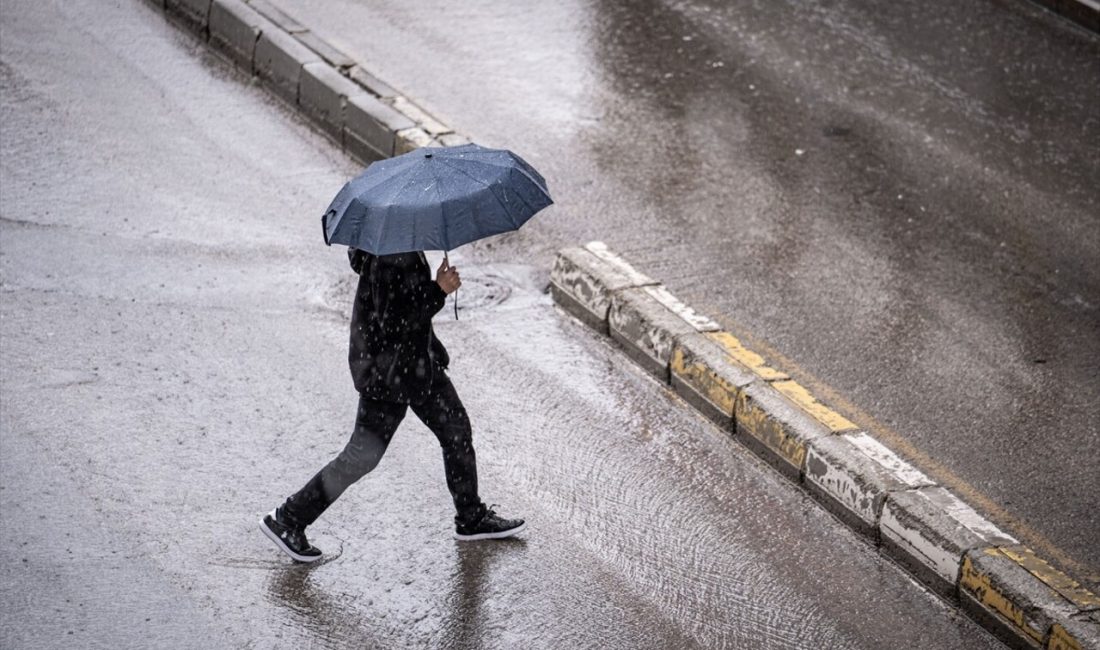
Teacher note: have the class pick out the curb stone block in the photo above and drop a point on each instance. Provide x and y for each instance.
(373, 84)
(646, 329)
(370, 127)
(795, 392)
(775, 428)
(278, 62)
(582, 283)
(852, 474)
(323, 49)
(452, 140)
(1081, 632)
(322, 93)
(707, 378)
(600, 250)
(277, 16)
(698, 321)
(1067, 587)
(234, 29)
(411, 139)
(434, 127)
(193, 15)
(928, 530)
(1008, 600)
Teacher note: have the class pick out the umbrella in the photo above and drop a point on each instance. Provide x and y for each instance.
(435, 198)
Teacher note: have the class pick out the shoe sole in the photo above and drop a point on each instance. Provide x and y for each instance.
(284, 548)
(497, 535)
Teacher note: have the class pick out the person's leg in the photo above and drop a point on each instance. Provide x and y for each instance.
(375, 425)
(444, 414)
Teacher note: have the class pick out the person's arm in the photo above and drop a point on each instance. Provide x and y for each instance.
(397, 284)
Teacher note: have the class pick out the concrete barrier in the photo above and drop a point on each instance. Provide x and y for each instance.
(371, 83)
(234, 29)
(852, 474)
(775, 428)
(432, 126)
(1079, 632)
(928, 530)
(328, 53)
(582, 283)
(371, 128)
(1008, 600)
(322, 94)
(277, 16)
(192, 15)
(278, 62)
(707, 378)
(411, 139)
(645, 329)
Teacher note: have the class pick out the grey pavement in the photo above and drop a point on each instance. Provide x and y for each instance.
(895, 202)
(173, 364)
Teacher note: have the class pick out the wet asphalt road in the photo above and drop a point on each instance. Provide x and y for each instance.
(895, 202)
(173, 364)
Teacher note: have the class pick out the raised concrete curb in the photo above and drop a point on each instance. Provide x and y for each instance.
(371, 127)
(278, 61)
(929, 531)
(192, 15)
(1025, 602)
(365, 116)
(704, 376)
(582, 282)
(234, 29)
(852, 474)
(1085, 13)
(776, 429)
(941, 540)
(322, 94)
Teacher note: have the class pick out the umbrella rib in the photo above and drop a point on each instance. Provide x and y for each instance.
(490, 188)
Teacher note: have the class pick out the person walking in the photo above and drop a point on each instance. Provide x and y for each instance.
(396, 363)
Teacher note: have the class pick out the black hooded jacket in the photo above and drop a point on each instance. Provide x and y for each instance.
(394, 351)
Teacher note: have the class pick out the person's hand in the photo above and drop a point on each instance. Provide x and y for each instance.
(447, 277)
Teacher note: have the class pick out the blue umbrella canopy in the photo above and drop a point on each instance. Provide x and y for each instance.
(435, 198)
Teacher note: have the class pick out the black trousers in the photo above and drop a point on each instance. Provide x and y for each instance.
(375, 425)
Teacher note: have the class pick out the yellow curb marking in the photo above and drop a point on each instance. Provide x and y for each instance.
(766, 429)
(807, 402)
(746, 357)
(982, 588)
(1061, 639)
(1069, 588)
(718, 390)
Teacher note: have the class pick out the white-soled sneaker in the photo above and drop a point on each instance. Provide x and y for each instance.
(490, 526)
(290, 540)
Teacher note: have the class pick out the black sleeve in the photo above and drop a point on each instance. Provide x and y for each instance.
(356, 258)
(399, 286)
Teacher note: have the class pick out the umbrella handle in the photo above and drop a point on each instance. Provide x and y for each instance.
(324, 228)
(448, 261)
